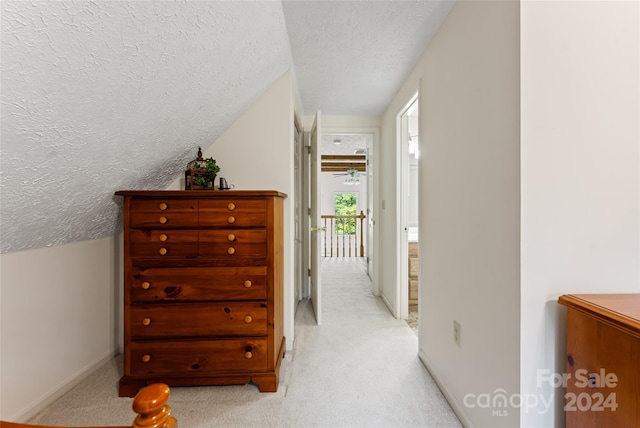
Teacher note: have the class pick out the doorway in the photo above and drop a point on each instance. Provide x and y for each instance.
(347, 201)
(348, 169)
(408, 155)
(343, 179)
(351, 142)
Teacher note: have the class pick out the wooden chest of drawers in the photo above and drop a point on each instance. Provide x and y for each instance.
(603, 360)
(203, 298)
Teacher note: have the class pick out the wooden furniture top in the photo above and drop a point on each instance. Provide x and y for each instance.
(150, 404)
(621, 311)
(200, 193)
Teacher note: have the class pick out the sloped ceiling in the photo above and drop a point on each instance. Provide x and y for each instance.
(100, 96)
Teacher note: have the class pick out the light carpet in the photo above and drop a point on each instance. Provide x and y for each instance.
(358, 369)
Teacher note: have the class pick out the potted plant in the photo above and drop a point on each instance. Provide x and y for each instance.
(203, 174)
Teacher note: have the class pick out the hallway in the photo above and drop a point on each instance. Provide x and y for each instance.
(358, 369)
(362, 362)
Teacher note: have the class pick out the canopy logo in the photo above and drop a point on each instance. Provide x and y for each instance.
(499, 402)
(588, 392)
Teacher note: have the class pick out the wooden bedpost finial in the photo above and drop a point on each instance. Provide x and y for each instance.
(151, 405)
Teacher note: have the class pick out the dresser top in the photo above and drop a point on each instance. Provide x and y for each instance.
(199, 194)
(618, 310)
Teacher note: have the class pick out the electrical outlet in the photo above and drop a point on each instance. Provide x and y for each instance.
(456, 332)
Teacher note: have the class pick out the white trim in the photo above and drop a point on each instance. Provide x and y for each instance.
(456, 406)
(402, 251)
(62, 388)
(387, 303)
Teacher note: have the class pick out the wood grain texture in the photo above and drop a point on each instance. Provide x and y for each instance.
(603, 360)
(203, 296)
(150, 404)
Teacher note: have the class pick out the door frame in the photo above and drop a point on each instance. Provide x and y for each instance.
(402, 204)
(300, 156)
(374, 242)
(315, 233)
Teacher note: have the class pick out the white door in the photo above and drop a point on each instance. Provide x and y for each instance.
(298, 213)
(314, 219)
(370, 222)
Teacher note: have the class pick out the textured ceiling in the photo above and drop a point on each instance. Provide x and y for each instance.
(99, 96)
(347, 144)
(352, 56)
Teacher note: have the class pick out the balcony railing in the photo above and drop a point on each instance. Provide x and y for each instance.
(343, 236)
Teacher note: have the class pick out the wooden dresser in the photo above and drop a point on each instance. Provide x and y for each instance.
(603, 360)
(203, 288)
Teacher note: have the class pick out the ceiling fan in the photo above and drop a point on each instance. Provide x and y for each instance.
(350, 172)
(352, 176)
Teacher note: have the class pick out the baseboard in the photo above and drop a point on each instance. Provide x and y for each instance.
(456, 406)
(388, 304)
(290, 344)
(59, 390)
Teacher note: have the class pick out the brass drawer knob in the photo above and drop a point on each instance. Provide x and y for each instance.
(231, 219)
(162, 206)
(247, 284)
(231, 250)
(146, 321)
(146, 358)
(162, 220)
(248, 355)
(163, 251)
(231, 237)
(231, 206)
(163, 237)
(146, 285)
(248, 319)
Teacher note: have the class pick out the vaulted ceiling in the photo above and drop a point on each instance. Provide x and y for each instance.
(99, 96)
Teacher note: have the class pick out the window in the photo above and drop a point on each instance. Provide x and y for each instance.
(346, 204)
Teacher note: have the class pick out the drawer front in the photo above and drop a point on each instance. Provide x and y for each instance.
(198, 319)
(163, 243)
(233, 213)
(230, 243)
(161, 213)
(197, 356)
(192, 284)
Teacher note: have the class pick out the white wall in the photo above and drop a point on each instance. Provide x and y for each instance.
(257, 152)
(60, 320)
(580, 172)
(413, 209)
(469, 204)
(336, 123)
(413, 199)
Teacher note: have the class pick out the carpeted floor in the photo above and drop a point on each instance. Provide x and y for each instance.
(412, 320)
(358, 369)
